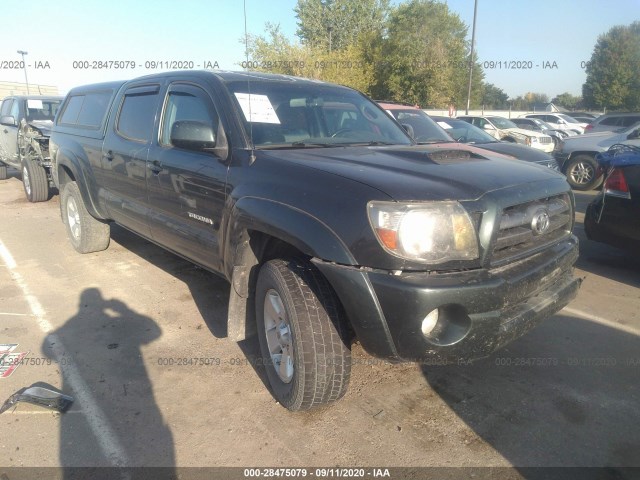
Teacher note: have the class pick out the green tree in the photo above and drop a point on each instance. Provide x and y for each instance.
(337, 24)
(567, 100)
(274, 53)
(494, 98)
(613, 73)
(425, 57)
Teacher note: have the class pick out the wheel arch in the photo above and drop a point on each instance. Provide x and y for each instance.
(69, 168)
(260, 230)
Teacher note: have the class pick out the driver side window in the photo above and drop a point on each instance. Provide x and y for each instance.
(187, 103)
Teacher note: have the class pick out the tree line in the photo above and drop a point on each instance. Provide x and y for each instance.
(417, 52)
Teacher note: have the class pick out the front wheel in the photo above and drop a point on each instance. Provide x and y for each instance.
(86, 233)
(35, 181)
(303, 335)
(581, 173)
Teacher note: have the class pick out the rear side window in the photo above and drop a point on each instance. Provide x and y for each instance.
(628, 121)
(610, 121)
(87, 110)
(137, 113)
(72, 110)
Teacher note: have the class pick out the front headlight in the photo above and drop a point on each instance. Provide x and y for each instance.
(433, 232)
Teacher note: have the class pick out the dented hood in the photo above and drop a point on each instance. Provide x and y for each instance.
(423, 172)
(44, 126)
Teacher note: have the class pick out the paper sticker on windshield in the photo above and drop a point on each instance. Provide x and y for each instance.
(257, 108)
(31, 103)
(444, 125)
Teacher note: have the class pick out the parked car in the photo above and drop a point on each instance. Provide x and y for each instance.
(577, 115)
(24, 141)
(324, 215)
(541, 126)
(613, 121)
(504, 129)
(577, 158)
(586, 120)
(559, 121)
(613, 217)
(464, 132)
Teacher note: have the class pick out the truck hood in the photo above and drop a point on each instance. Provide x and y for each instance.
(423, 172)
(44, 126)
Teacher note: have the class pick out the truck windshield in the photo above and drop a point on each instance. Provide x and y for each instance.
(38, 109)
(287, 114)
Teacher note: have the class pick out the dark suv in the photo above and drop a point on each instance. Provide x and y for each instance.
(327, 219)
(25, 126)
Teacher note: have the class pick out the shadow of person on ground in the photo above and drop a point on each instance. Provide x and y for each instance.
(116, 420)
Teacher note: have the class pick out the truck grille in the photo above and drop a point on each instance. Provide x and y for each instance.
(530, 226)
(545, 139)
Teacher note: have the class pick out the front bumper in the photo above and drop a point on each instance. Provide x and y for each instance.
(482, 309)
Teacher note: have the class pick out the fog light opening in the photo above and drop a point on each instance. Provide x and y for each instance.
(446, 325)
(430, 322)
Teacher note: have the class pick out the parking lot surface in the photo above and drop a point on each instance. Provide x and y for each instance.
(137, 336)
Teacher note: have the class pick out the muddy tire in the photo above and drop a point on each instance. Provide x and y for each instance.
(581, 173)
(86, 233)
(303, 335)
(35, 182)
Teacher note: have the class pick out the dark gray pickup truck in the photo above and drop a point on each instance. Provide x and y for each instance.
(25, 125)
(327, 219)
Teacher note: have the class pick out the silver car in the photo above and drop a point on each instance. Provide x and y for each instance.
(559, 121)
(613, 121)
(577, 156)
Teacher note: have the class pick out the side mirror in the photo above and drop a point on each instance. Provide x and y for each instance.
(8, 120)
(409, 129)
(487, 126)
(199, 137)
(192, 135)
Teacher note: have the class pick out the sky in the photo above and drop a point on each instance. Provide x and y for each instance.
(559, 34)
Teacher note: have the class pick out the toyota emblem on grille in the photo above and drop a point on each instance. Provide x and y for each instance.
(540, 223)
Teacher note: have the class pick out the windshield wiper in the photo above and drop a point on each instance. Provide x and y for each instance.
(431, 142)
(314, 145)
(294, 145)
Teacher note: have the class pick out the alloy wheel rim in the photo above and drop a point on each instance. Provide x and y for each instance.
(73, 217)
(278, 334)
(582, 173)
(26, 181)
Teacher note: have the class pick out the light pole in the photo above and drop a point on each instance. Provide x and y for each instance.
(473, 41)
(24, 64)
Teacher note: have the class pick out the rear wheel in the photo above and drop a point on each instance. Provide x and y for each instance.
(303, 335)
(86, 233)
(581, 173)
(35, 182)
